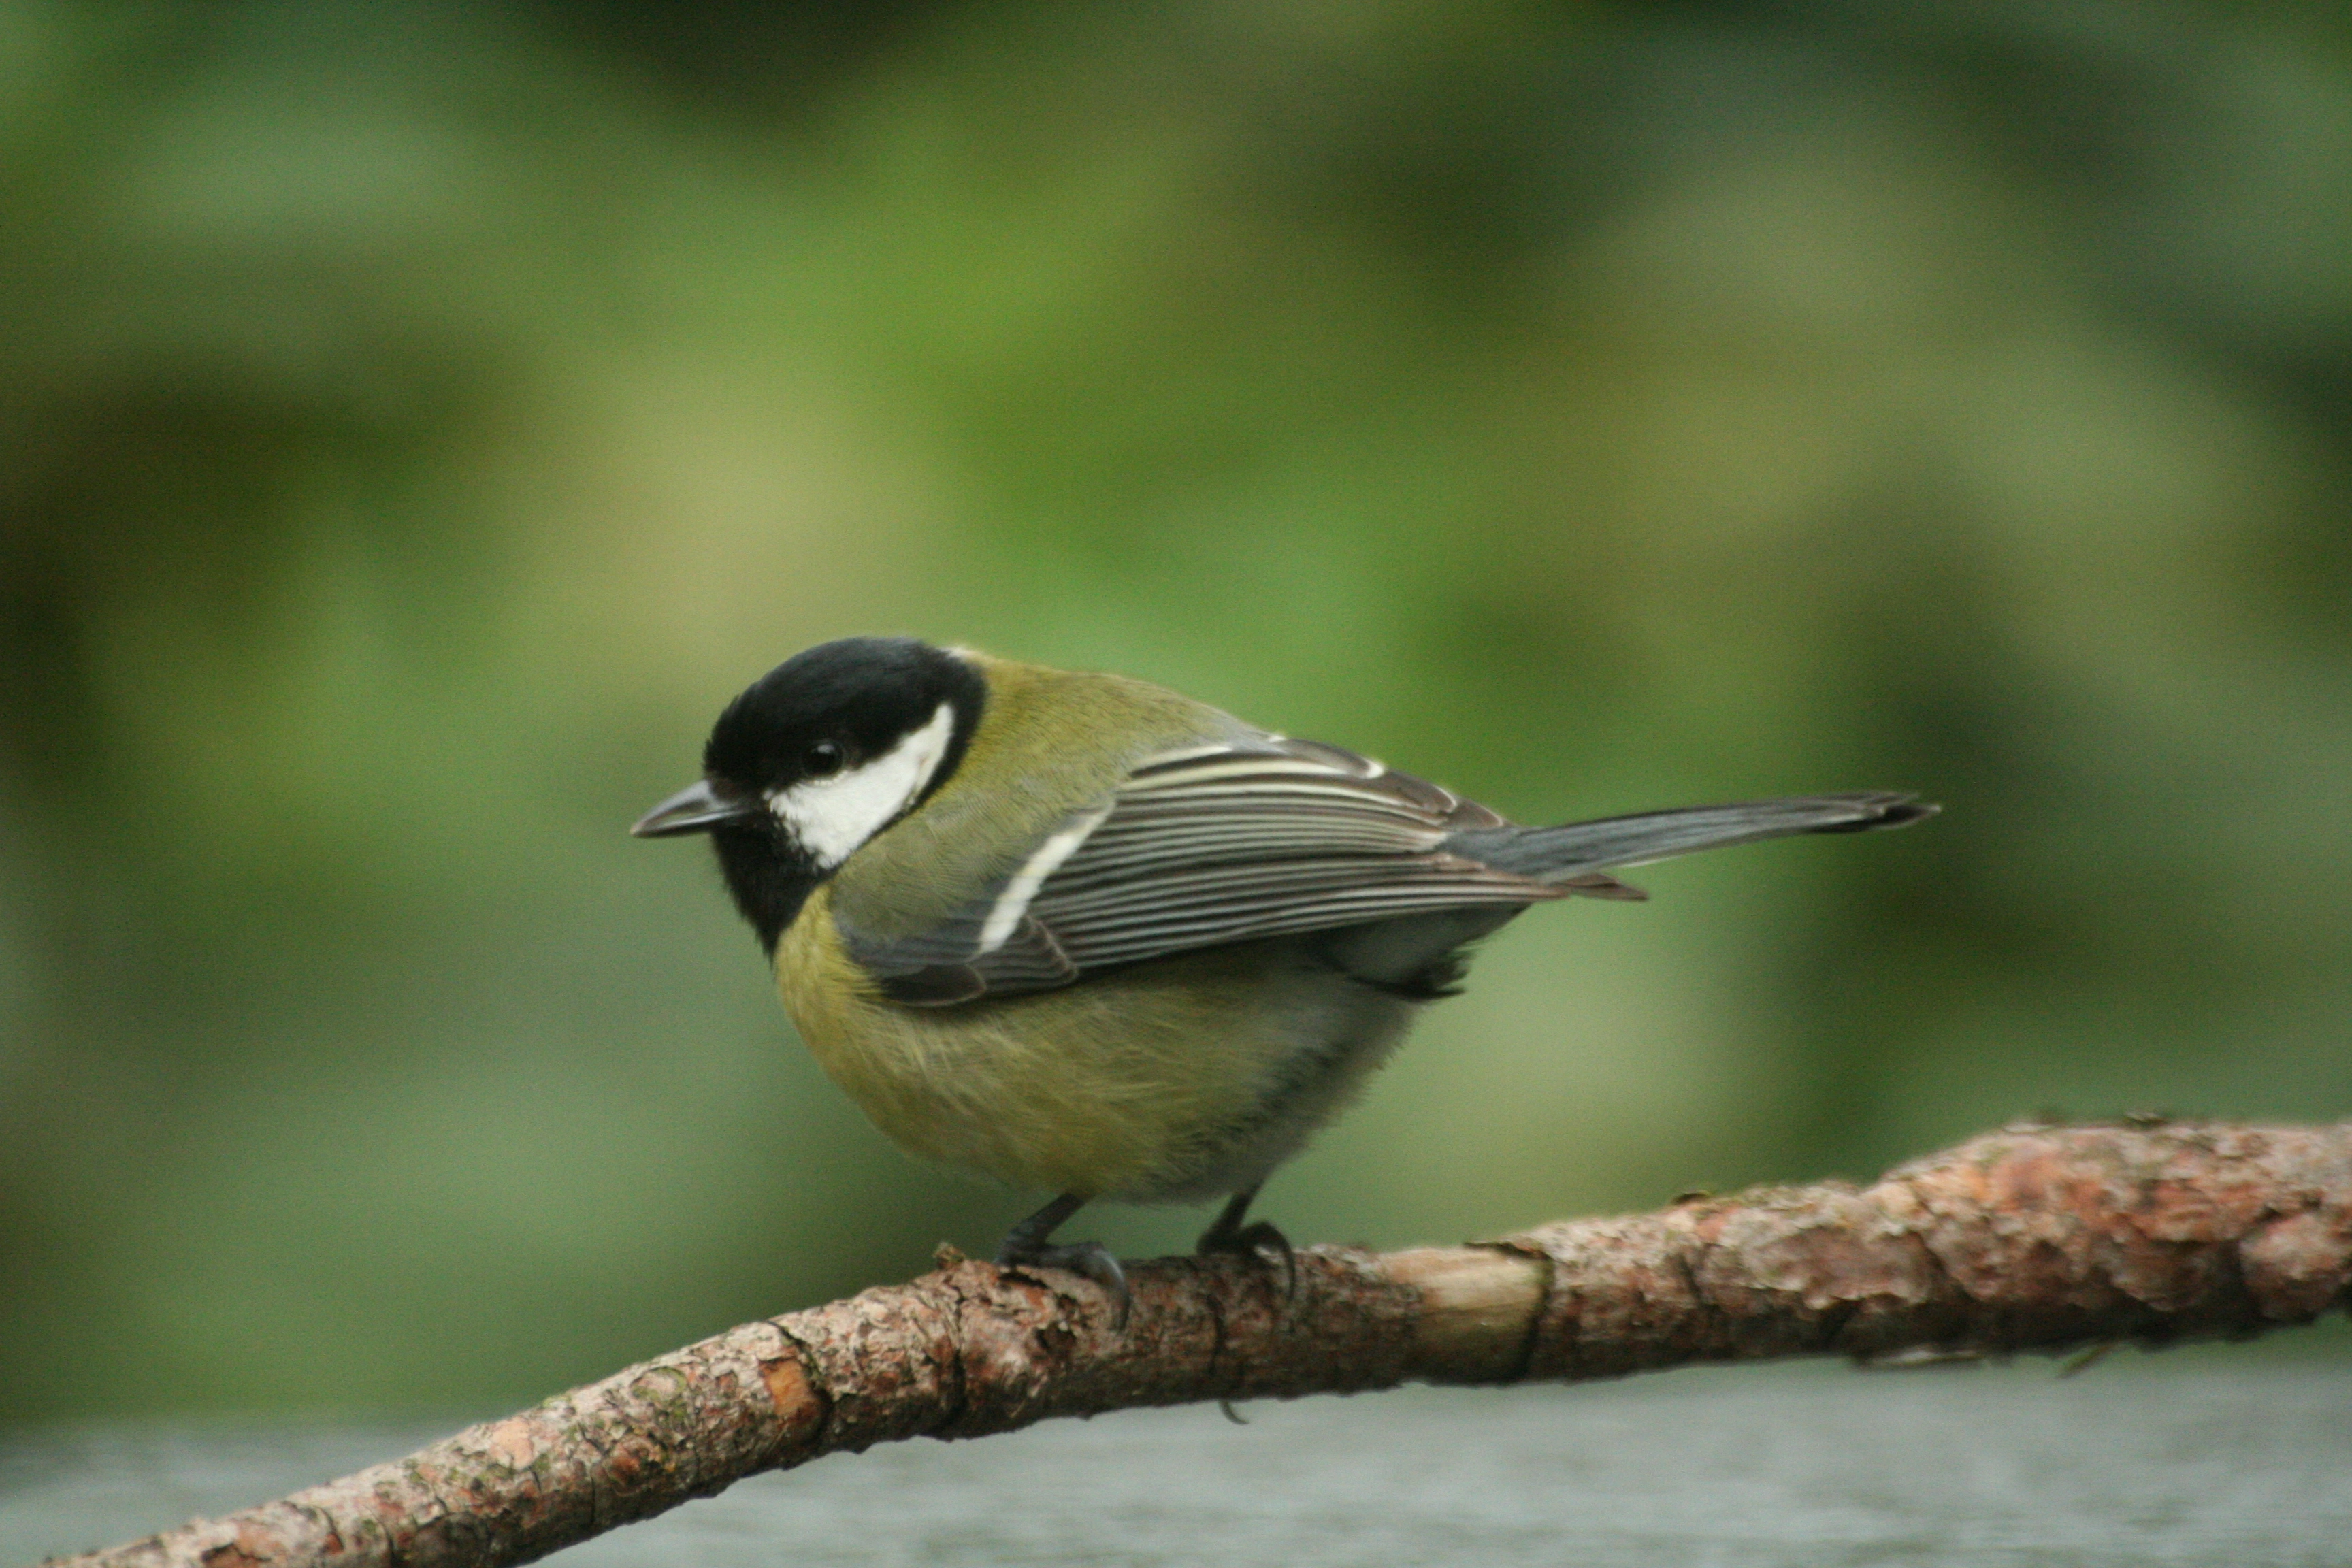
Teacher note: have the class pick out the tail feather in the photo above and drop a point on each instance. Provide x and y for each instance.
(1574, 850)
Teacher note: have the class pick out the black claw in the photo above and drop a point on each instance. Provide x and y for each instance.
(1259, 1240)
(1090, 1259)
(1026, 1246)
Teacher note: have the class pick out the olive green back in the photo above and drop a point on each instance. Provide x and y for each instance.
(1050, 743)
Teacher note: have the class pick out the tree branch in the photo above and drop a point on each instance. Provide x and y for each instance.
(2032, 1239)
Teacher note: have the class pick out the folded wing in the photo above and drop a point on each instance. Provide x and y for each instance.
(1205, 847)
(1272, 836)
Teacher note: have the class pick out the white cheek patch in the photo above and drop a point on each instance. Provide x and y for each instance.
(831, 817)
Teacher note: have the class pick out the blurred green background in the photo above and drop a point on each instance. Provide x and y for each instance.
(416, 420)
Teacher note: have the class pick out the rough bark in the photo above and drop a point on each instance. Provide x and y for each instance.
(2032, 1239)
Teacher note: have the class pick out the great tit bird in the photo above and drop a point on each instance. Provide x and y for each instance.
(1090, 936)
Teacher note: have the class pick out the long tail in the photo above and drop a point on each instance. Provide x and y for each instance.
(1577, 849)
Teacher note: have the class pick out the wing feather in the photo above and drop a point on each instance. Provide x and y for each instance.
(1203, 847)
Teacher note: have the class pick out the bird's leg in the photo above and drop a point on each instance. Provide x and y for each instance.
(1258, 1239)
(1024, 1246)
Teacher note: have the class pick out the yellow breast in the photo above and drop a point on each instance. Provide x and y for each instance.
(1130, 1085)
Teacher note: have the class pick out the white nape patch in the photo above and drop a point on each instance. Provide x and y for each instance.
(831, 817)
(1013, 902)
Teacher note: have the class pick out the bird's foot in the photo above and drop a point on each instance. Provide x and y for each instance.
(1089, 1260)
(1260, 1240)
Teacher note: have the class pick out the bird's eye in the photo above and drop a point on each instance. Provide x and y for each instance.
(822, 760)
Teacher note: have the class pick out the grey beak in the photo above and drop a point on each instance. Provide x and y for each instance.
(697, 808)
